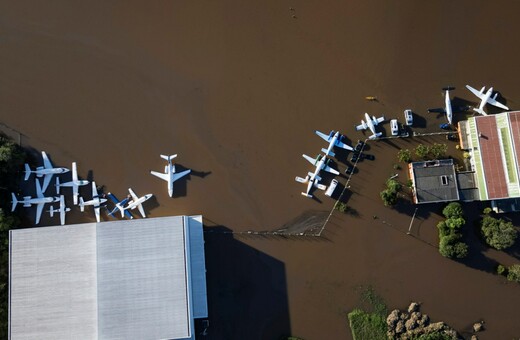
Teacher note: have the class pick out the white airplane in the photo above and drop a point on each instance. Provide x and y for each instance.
(169, 174)
(333, 140)
(39, 201)
(486, 98)
(46, 170)
(313, 178)
(62, 210)
(75, 183)
(96, 202)
(371, 123)
(447, 109)
(136, 202)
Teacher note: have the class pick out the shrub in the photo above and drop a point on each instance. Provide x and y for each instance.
(501, 270)
(422, 151)
(404, 155)
(438, 150)
(444, 230)
(393, 185)
(453, 210)
(389, 197)
(367, 325)
(341, 207)
(451, 247)
(513, 273)
(455, 223)
(487, 211)
(498, 233)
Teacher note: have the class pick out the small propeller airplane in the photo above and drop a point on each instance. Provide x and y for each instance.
(136, 202)
(447, 109)
(371, 123)
(169, 174)
(333, 140)
(312, 179)
(75, 184)
(46, 170)
(39, 201)
(62, 210)
(96, 202)
(486, 98)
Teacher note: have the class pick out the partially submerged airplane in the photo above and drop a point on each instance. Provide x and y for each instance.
(447, 109)
(333, 140)
(96, 202)
(46, 170)
(39, 201)
(136, 202)
(486, 98)
(119, 205)
(74, 184)
(371, 124)
(62, 210)
(313, 178)
(169, 174)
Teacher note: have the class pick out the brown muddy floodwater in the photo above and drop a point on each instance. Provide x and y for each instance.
(236, 89)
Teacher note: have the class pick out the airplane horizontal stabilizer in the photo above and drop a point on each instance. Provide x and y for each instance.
(320, 186)
(448, 88)
(14, 201)
(300, 180)
(81, 204)
(377, 135)
(481, 111)
(306, 195)
(168, 158)
(27, 172)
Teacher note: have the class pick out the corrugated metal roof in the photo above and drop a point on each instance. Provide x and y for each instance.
(112, 280)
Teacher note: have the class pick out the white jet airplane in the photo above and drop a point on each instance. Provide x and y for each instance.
(46, 170)
(447, 109)
(136, 202)
(169, 174)
(39, 200)
(371, 123)
(313, 178)
(333, 140)
(62, 210)
(75, 184)
(96, 202)
(486, 98)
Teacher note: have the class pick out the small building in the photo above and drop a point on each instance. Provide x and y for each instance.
(434, 181)
(492, 144)
(129, 279)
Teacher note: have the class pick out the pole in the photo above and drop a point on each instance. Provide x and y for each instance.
(411, 222)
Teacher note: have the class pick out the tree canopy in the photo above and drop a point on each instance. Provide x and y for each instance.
(498, 233)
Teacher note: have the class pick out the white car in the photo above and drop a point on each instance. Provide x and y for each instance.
(394, 127)
(408, 117)
(331, 188)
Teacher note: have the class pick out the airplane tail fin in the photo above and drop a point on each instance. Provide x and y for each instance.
(14, 201)
(168, 158)
(27, 172)
(57, 185)
(51, 211)
(81, 204)
(330, 153)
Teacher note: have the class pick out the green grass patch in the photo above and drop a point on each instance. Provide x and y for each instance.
(367, 325)
(508, 153)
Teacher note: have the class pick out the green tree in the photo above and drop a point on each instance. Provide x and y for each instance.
(438, 150)
(498, 233)
(393, 185)
(453, 210)
(451, 247)
(444, 230)
(422, 151)
(455, 223)
(501, 270)
(389, 197)
(404, 155)
(513, 273)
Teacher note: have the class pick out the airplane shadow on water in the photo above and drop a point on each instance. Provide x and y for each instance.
(247, 289)
(180, 187)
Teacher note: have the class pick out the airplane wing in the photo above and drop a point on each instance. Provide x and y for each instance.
(361, 127)
(39, 192)
(46, 181)
(134, 196)
(179, 175)
(39, 209)
(475, 92)
(323, 136)
(310, 159)
(497, 103)
(141, 210)
(94, 190)
(343, 145)
(162, 176)
(96, 211)
(331, 170)
(74, 172)
(46, 162)
(379, 120)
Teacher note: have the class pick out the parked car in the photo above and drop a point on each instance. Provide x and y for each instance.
(394, 127)
(452, 136)
(445, 126)
(331, 188)
(370, 157)
(354, 157)
(350, 170)
(408, 117)
(359, 146)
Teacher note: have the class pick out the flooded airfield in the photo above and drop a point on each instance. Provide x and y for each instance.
(237, 90)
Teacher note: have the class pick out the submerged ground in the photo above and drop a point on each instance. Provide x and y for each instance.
(237, 90)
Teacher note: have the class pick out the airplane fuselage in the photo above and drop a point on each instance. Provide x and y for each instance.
(170, 170)
(485, 99)
(332, 143)
(449, 111)
(370, 123)
(53, 171)
(135, 204)
(28, 200)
